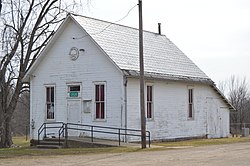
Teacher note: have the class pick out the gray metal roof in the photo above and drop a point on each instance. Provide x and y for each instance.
(161, 56)
(163, 60)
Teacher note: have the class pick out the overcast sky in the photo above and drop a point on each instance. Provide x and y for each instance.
(215, 34)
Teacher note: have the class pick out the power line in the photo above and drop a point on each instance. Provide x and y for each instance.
(107, 25)
(126, 14)
(117, 20)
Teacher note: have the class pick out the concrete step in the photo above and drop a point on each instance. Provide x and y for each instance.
(49, 146)
(53, 139)
(50, 143)
(45, 142)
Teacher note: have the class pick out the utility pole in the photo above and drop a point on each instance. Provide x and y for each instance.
(142, 98)
(0, 6)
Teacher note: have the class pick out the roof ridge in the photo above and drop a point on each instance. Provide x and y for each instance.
(114, 23)
(161, 54)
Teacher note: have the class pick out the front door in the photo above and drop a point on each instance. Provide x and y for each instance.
(74, 116)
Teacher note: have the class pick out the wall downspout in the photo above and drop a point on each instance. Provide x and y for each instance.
(125, 81)
(32, 121)
(207, 110)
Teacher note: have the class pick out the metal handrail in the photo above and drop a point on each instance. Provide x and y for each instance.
(118, 131)
(63, 130)
(43, 129)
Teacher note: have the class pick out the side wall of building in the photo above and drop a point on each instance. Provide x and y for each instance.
(170, 110)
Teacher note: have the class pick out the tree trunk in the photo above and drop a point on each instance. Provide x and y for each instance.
(5, 133)
(1, 129)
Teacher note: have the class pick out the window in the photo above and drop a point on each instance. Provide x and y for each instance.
(50, 102)
(74, 91)
(74, 88)
(149, 102)
(99, 101)
(190, 103)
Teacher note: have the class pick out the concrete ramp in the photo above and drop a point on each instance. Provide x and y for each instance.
(86, 142)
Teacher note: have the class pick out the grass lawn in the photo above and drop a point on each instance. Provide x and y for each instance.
(24, 149)
(204, 142)
(21, 141)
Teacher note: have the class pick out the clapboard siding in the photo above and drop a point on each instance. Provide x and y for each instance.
(171, 110)
(58, 70)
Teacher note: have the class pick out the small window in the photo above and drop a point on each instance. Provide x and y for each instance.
(50, 102)
(190, 103)
(74, 88)
(74, 91)
(149, 102)
(99, 101)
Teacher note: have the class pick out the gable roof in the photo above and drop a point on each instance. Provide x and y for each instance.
(162, 58)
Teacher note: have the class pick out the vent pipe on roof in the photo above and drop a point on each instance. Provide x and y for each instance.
(159, 28)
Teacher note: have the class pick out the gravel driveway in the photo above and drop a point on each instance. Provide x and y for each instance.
(216, 155)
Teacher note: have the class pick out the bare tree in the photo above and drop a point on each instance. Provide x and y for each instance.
(239, 96)
(26, 26)
(237, 91)
(223, 86)
(20, 120)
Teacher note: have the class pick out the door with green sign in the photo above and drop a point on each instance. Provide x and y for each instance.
(74, 107)
(74, 114)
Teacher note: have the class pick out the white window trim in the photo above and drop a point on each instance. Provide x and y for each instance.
(153, 102)
(105, 101)
(45, 99)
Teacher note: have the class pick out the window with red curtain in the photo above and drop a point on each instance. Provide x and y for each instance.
(99, 101)
(50, 99)
(149, 102)
(190, 103)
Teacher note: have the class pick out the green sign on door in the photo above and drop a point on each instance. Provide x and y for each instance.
(73, 94)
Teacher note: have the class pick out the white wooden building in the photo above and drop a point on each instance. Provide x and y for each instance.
(89, 74)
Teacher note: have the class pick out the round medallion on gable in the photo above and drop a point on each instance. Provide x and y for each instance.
(74, 53)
